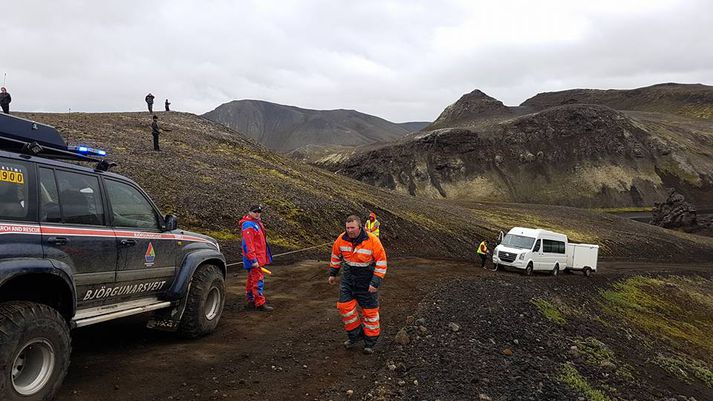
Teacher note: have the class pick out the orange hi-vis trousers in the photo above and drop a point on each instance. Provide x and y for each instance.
(352, 321)
(353, 292)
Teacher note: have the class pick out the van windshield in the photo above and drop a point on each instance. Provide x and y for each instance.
(518, 241)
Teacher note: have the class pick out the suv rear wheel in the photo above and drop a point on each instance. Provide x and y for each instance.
(34, 351)
(204, 306)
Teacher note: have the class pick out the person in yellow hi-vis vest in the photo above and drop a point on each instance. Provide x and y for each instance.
(372, 225)
(483, 253)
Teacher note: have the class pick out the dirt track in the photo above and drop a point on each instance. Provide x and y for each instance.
(292, 353)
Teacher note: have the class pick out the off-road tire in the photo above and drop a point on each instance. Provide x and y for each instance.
(587, 271)
(196, 320)
(32, 336)
(556, 270)
(529, 269)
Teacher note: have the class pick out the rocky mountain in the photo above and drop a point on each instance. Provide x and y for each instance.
(578, 154)
(208, 175)
(286, 128)
(471, 109)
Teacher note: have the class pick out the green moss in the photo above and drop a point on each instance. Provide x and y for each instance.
(428, 222)
(685, 368)
(549, 311)
(676, 310)
(512, 218)
(284, 242)
(223, 235)
(596, 353)
(572, 378)
(615, 210)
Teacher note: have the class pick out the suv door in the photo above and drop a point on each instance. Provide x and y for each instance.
(74, 231)
(147, 256)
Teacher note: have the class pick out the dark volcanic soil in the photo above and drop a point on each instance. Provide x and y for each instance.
(296, 353)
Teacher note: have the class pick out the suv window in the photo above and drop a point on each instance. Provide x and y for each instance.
(14, 190)
(130, 207)
(80, 197)
(49, 197)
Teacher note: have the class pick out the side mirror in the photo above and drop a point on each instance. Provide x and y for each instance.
(171, 222)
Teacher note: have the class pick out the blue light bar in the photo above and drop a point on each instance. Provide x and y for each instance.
(86, 150)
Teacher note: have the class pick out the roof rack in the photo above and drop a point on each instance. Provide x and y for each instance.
(32, 138)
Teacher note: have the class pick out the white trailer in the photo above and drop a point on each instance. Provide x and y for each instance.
(582, 257)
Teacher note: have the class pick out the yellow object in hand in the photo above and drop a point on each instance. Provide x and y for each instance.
(264, 270)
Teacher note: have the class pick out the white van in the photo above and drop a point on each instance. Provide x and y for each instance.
(531, 250)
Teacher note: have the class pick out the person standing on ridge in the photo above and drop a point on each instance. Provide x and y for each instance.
(362, 258)
(256, 255)
(155, 131)
(5, 100)
(167, 104)
(149, 102)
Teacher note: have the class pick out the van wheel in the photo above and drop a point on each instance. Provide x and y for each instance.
(204, 306)
(587, 271)
(556, 270)
(528, 269)
(34, 351)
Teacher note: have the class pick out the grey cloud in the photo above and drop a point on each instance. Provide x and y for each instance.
(382, 58)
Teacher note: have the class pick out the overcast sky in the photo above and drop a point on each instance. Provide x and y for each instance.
(400, 60)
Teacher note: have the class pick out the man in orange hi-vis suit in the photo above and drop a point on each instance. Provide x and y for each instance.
(364, 264)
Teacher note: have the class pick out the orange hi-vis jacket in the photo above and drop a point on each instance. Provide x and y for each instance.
(366, 253)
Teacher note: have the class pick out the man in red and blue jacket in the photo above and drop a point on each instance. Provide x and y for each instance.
(256, 255)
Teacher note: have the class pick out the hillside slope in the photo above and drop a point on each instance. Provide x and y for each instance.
(687, 100)
(584, 155)
(208, 175)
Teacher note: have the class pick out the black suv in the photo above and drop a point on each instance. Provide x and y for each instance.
(82, 245)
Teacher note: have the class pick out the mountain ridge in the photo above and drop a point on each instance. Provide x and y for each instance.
(285, 128)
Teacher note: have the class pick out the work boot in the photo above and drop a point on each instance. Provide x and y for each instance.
(349, 344)
(368, 350)
(264, 308)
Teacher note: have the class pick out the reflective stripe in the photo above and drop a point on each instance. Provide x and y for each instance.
(354, 319)
(372, 319)
(334, 264)
(370, 327)
(380, 271)
(381, 263)
(345, 248)
(335, 257)
(351, 312)
(364, 251)
(359, 264)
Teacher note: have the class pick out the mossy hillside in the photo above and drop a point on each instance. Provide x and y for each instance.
(209, 175)
(676, 310)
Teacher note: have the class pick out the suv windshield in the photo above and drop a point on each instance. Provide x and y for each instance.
(518, 241)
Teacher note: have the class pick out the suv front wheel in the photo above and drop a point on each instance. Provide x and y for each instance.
(34, 351)
(204, 306)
